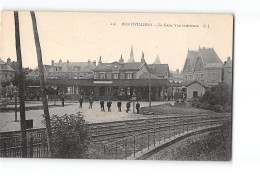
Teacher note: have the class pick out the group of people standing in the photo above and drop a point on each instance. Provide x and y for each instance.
(119, 106)
(109, 104)
(90, 102)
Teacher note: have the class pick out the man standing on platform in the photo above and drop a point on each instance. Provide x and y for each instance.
(102, 103)
(137, 107)
(62, 101)
(109, 103)
(90, 103)
(128, 105)
(80, 102)
(119, 104)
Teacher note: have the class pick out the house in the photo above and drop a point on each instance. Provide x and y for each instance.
(204, 66)
(6, 71)
(195, 89)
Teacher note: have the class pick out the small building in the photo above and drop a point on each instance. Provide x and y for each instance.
(6, 71)
(6, 76)
(195, 89)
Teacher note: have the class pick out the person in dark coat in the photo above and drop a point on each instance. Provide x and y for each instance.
(102, 103)
(109, 103)
(119, 104)
(128, 105)
(80, 102)
(90, 103)
(62, 101)
(137, 107)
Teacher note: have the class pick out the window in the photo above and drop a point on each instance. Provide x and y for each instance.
(81, 76)
(102, 75)
(200, 66)
(115, 75)
(213, 78)
(76, 68)
(108, 90)
(201, 77)
(129, 75)
(95, 75)
(195, 94)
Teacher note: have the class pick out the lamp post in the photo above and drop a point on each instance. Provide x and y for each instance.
(55, 94)
(15, 105)
(133, 99)
(149, 91)
(128, 93)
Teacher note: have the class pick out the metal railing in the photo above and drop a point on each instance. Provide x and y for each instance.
(144, 133)
(10, 144)
(150, 139)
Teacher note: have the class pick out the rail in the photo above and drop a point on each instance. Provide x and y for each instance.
(128, 147)
(104, 133)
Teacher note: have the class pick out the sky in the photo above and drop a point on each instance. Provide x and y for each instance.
(81, 36)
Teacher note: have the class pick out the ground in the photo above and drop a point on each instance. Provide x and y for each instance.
(91, 115)
(169, 109)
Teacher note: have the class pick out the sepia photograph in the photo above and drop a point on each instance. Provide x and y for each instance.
(116, 86)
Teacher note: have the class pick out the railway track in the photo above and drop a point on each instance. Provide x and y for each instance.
(107, 132)
(103, 132)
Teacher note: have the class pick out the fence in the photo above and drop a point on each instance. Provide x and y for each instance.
(144, 134)
(150, 139)
(10, 144)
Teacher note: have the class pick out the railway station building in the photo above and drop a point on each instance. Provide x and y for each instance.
(118, 80)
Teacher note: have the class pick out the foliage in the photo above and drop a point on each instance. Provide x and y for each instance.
(70, 136)
(217, 98)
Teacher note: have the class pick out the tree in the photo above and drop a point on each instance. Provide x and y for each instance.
(70, 136)
(42, 84)
(21, 85)
(217, 98)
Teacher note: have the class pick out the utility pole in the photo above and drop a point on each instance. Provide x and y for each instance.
(20, 85)
(42, 84)
(149, 91)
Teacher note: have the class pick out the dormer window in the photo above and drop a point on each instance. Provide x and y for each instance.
(129, 75)
(115, 75)
(76, 68)
(103, 75)
(81, 76)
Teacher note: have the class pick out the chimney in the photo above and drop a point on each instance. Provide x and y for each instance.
(142, 59)
(52, 62)
(229, 59)
(177, 71)
(68, 62)
(100, 61)
(88, 62)
(9, 61)
(121, 60)
(95, 63)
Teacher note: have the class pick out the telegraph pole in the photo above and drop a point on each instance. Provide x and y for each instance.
(149, 91)
(42, 84)
(20, 85)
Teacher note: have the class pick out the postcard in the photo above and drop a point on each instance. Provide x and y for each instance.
(125, 86)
